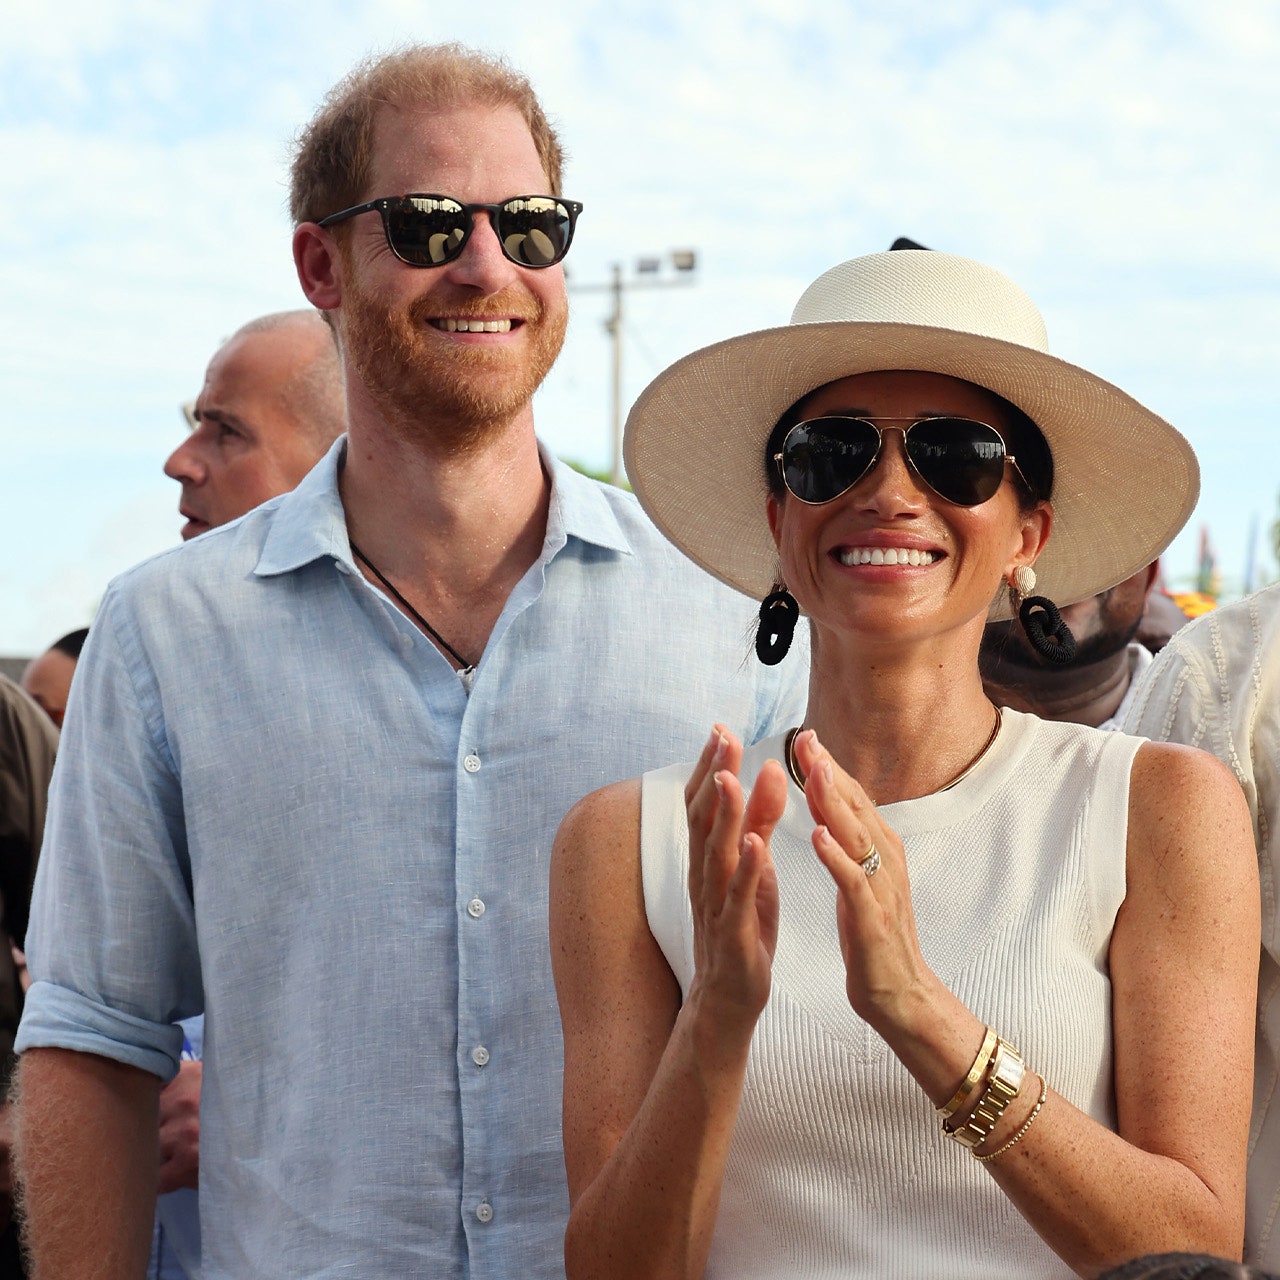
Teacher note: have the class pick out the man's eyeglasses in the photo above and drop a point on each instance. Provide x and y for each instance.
(430, 230)
(961, 460)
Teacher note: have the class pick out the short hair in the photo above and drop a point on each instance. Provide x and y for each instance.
(1183, 1266)
(334, 152)
(71, 643)
(313, 396)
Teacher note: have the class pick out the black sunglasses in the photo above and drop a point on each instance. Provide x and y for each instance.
(430, 230)
(959, 459)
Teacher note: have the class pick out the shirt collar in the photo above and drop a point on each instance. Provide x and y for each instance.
(309, 522)
(580, 508)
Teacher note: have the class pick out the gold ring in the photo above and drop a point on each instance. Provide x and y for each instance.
(871, 862)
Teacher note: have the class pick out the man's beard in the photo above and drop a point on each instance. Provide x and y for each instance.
(1005, 647)
(457, 395)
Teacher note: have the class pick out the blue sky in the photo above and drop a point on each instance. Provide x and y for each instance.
(1116, 161)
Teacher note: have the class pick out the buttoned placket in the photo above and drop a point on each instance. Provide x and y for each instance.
(480, 951)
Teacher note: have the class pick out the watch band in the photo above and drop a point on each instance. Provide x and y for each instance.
(1007, 1070)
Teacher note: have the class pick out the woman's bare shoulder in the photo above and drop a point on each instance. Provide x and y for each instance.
(1186, 807)
(608, 817)
(1168, 776)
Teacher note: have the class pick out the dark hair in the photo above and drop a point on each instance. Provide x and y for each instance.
(1025, 442)
(1183, 1266)
(71, 643)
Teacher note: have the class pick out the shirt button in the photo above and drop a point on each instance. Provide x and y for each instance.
(480, 1055)
(472, 763)
(404, 644)
(475, 908)
(484, 1211)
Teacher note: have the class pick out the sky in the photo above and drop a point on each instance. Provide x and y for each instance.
(1116, 161)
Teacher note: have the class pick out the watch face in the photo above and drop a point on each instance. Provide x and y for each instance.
(1002, 1087)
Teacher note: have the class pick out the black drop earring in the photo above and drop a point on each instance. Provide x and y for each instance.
(779, 614)
(1046, 632)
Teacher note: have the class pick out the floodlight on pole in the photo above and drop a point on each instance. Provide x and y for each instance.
(647, 275)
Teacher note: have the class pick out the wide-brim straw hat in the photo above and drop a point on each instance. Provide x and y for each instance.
(1125, 481)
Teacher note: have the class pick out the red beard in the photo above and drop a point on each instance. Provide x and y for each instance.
(455, 392)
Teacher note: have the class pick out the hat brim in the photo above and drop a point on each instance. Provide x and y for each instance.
(1125, 480)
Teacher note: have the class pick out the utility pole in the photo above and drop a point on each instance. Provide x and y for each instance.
(684, 262)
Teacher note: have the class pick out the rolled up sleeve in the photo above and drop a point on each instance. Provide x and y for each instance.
(112, 944)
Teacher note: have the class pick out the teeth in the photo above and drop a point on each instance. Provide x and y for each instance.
(473, 326)
(885, 555)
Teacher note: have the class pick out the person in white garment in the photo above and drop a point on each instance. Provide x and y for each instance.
(920, 987)
(1217, 686)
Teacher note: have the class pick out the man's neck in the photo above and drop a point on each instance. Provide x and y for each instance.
(1086, 695)
(453, 531)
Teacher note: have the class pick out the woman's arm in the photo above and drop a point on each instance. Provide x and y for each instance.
(1184, 956)
(651, 1088)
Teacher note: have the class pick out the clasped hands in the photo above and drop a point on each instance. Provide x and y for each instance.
(733, 886)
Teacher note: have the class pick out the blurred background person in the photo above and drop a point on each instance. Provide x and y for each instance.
(1097, 686)
(28, 745)
(1217, 686)
(47, 678)
(1184, 1266)
(271, 405)
(1163, 619)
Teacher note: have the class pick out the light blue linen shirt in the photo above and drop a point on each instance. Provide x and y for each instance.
(276, 804)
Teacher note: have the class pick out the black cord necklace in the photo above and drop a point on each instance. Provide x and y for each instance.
(465, 669)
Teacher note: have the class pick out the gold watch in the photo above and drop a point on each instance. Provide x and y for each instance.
(1005, 1080)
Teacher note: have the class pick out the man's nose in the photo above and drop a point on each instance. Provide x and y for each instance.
(482, 264)
(185, 464)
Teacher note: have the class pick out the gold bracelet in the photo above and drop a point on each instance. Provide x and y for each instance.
(970, 1082)
(1003, 1083)
(1026, 1124)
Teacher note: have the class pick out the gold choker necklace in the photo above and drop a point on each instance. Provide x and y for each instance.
(793, 768)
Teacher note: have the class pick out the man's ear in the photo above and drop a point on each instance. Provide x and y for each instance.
(1153, 574)
(315, 255)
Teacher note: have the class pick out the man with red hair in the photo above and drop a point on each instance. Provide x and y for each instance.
(324, 751)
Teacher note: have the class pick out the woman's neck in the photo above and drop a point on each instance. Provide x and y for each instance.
(904, 719)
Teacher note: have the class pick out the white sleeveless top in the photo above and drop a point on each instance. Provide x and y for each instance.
(837, 1166)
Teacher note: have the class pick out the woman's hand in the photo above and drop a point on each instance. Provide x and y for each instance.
(733, 887)
(886, 975)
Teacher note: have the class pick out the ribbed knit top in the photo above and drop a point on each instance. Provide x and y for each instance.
(837, 1166)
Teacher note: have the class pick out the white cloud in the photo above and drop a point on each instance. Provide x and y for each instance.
(1108, 158)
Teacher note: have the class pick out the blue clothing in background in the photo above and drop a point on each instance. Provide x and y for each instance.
(175, 1238)
(275, 803)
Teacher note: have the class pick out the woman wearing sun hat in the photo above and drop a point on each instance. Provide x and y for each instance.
(790, 976)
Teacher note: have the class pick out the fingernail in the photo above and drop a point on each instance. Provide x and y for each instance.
(828, 774)
(721, 746)
(745, 846)
(712, 738)
(719, 786)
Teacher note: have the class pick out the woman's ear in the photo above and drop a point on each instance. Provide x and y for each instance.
(773, 509)
(1035, 527)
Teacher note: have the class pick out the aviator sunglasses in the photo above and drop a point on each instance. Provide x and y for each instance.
(961, 460)
(430, 230)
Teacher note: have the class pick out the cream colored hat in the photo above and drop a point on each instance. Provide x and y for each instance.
(1125, 481)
